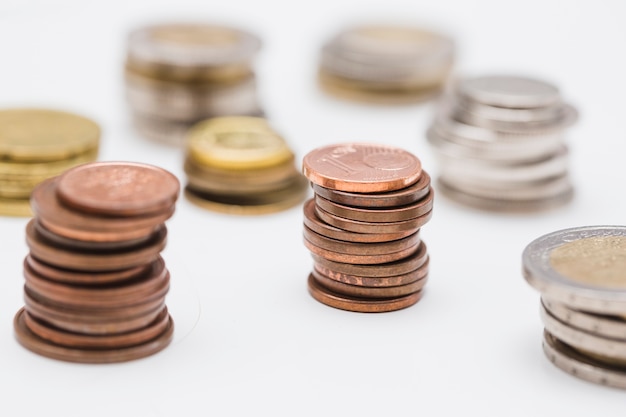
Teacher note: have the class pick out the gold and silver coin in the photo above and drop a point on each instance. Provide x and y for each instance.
(385, 64)
(181, 73)
(240, 165)
(36, 144)
(500, 143)
(580, 275)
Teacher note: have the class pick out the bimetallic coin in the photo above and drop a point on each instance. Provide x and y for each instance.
(361, 167)
(582, 267)
(509, 91)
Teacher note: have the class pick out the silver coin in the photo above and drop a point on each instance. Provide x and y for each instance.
(582, 267)
(509, 91)
(602, 325)
(546, 114)
(581, 366)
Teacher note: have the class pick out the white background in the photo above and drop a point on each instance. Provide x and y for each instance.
(249, 339)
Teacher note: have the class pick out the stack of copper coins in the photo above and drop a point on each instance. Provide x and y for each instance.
(95, 281)
(500, 142)
(362, 227)
(36, 144)
(385, 64)
(240, 165)
(178, 74)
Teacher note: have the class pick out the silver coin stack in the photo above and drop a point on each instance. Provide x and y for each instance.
(385, 64)
(178, 74)
(580, 274)
(500, 144)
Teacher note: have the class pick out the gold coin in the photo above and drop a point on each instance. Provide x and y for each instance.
(45, 135)
(15, 207)
(42, 170)
(237, 143)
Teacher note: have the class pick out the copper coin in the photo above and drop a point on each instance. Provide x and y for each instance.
(369, 227)
(368, 292)
(378, 215)
(313, 222)
(378, 282)
(83, 277)
(382, 248)
(40, 346)
(77, 340)
(118, 188)
(92, 260)
(399, 197)
(120, 320)
(360, 259)
(361, 167)
(63, 221)
(392, 269)
(108, 296)
(362, 305)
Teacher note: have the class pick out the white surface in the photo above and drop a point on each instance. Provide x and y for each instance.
(249, 339)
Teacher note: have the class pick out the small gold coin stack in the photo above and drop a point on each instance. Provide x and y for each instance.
(580, 275)
(178, 74)
(362, 227)
(385, 64)
(36, 144)
(240, 165)
(95, 282)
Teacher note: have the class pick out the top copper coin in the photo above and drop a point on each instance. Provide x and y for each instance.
(118, 188)
(361, 167)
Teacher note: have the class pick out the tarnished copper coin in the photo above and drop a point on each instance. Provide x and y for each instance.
(401, 267)
(361, 249)
(43, 347)
(374, 282)
(313, 222)
(368, 292)
(361, 167)
(94, 260)
(399, 197)
(378, 215)
(370, 227)
(360, 259)
(118, 188)
(363, 305)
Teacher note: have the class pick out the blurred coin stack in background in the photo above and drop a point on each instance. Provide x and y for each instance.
(178, 74)
(240, 165)
(500, 144)
(36, 144)
(95, 281)
(385, 64)
(362, 227)
(580, 275)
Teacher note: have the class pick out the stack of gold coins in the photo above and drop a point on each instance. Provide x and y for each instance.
(362, 227)
(178, 74)
(580, 275)
(36, 144)
(240, 165)
(386, 64)
(95, 281)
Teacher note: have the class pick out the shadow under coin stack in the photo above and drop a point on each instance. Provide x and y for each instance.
(239, 165)
(580, 275)
(95, 281)
(179, 74)
(385, 64)
(500, 144)
(36, 144)
(362, 227)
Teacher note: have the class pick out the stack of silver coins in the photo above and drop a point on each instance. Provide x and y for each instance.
(179, 74)
(385, 64)
(500, 144)
(580, 275)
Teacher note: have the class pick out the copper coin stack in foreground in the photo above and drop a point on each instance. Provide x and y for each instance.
(362, 227)
(95, 281)
(580, 275)
(180, 73)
